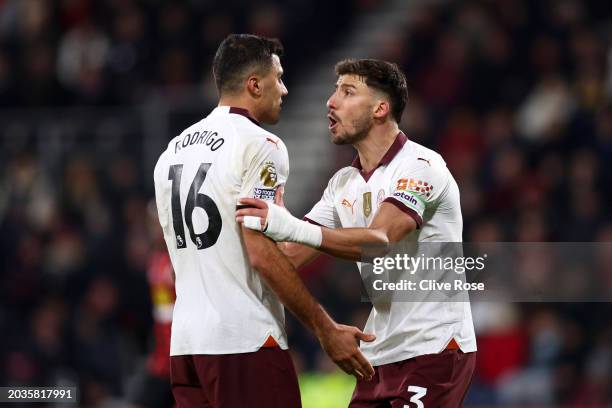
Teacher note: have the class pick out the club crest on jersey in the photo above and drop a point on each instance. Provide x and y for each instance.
(418, 186)
(268, 174)
(380, 198)
(367, 204)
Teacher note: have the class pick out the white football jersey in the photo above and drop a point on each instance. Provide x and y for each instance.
(222, 305)
(417, 181)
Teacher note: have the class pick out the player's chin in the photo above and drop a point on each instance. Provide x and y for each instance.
(272, 118)
(338, 138)
(276, 115)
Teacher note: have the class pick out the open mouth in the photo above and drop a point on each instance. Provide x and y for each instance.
(333, 122)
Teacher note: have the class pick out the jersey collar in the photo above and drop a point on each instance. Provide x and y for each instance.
(245, 113)
(398, 143)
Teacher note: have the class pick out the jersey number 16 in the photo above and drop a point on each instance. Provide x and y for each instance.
(194, 199)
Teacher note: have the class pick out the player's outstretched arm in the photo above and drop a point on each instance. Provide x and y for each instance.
(340, 342)
(389, 225)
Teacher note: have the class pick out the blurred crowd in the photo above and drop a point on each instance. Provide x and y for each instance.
(75, 52)
(515, 95)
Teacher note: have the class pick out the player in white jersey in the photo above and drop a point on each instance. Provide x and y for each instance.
(228, 342)
(396, 191)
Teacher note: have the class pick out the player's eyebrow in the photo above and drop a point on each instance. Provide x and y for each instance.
(346, 86)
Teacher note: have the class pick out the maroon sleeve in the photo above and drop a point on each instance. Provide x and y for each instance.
(417, 218)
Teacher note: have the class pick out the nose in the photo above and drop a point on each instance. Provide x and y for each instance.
(331, 102)
(285, 91)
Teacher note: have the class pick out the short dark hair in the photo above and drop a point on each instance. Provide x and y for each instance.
(241, 54)
(381, 75)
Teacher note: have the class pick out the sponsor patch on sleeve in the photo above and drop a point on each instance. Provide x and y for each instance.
(410, 200)
(418, 186)
(264, 193)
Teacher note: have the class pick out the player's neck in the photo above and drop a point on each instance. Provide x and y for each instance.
(239, 101)
(378, 141)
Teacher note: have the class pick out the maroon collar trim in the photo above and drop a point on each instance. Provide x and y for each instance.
(398, 143)
(245, 113)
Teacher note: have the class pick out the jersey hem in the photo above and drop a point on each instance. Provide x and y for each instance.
(218, 352)
(406, 356)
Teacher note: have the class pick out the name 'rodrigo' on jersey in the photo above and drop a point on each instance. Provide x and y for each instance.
(222, 305)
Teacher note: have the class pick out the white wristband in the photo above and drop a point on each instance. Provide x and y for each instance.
(284, 227)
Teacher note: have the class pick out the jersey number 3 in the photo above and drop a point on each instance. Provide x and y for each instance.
(419, 392)
(194, 199)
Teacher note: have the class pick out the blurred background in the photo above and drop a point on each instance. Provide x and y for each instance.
(516, 95)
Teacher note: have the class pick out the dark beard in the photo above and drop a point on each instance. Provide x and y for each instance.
(362, 128)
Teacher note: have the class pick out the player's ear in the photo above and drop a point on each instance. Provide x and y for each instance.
(254, 86)
(381, 109)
